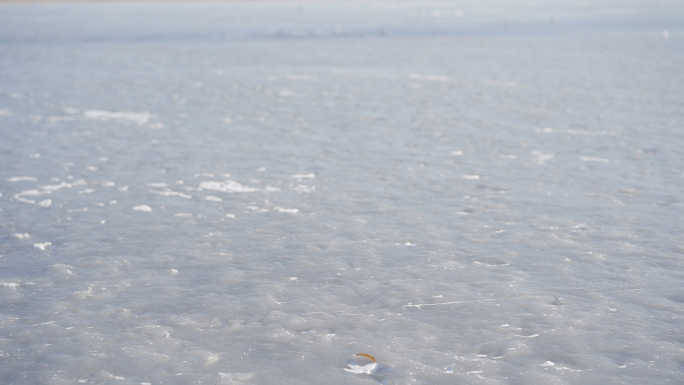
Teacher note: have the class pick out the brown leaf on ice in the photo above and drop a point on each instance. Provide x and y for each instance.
(367, 356)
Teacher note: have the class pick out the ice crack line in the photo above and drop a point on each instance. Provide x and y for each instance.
(421, 305)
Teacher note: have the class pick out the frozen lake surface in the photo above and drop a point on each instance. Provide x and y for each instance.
(253, 193)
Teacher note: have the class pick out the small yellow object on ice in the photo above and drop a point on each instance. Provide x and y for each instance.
(362, 369)
(367, 356)
(367, 366)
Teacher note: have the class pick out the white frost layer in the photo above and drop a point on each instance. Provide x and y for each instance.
(227, 186)
(135, 117)
(145, 208)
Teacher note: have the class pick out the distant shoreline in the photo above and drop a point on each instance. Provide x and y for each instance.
(182, 1)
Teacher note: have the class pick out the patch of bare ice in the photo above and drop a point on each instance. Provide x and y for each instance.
(430, 78)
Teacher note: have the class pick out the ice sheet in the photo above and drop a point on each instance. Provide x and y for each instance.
(257, 192)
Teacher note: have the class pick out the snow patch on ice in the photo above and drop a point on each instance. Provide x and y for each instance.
(33, 192)
(303, 189)
(22, 179)
(168, 192)
(542, 158)
(63, 185)
(284, 210)
(145, 208)
(257, 209)
(227, 186)
(362, 369)
(42, 245)
(135, 117)
(593, 159)
(304, 176)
